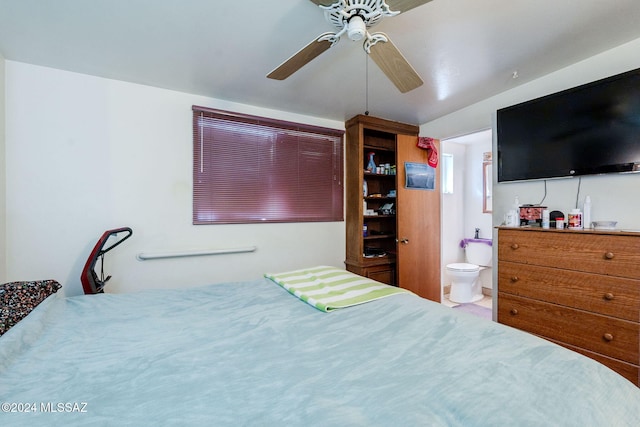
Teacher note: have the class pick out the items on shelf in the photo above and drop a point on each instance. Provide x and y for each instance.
(382, 169)
(387, 209)
(371, 252)
(371, 166)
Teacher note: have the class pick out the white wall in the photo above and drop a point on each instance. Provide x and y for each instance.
(614, 196)
(474, 217)
(3, 225)
(87, 154)
(452, 215)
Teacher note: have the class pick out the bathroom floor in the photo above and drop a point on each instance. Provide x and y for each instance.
(486, 301)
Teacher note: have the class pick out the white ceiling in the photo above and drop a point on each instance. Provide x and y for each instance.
(465, 50)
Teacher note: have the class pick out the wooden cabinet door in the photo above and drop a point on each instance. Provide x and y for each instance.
(418, 226)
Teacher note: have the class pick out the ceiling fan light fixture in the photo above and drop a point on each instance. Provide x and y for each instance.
(356, 28)
(354, 18)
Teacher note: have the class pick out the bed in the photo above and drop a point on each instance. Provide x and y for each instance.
(257, 353)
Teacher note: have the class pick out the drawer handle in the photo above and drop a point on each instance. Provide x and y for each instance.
(608, 255)
(515, 279)
(515, 246)
(608, 337)
(514, 311)
(608, 296)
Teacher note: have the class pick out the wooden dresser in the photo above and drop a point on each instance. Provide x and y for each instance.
(580, 289)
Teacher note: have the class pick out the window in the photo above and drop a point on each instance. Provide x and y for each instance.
(447, 173)
(249, 169)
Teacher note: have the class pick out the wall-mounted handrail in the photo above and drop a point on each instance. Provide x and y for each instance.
(143, 256)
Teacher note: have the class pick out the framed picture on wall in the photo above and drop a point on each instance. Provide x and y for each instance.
(419, 176)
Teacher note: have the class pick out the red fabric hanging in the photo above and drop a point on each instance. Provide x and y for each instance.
(432, 152)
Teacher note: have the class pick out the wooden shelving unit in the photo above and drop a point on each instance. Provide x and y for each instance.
(394, 237)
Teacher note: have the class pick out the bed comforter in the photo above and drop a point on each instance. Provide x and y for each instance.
(252, 354)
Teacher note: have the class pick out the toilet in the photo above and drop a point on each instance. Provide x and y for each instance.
(465, 283)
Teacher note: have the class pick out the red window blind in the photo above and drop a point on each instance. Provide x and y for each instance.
(249, 169)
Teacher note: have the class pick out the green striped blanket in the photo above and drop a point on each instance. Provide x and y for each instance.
(328, 288)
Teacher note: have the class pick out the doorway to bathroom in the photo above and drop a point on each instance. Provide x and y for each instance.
(466, 202)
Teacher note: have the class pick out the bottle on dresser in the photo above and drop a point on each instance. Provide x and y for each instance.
(586, 212)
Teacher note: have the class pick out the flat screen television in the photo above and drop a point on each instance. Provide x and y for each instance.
(589, 129)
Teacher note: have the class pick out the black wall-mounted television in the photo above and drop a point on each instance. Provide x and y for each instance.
(589, 129)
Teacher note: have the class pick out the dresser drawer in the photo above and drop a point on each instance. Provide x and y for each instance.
(382, 270)
(605, 335)
(610, 254)
(611, 296)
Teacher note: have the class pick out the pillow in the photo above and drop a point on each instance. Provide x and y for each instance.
(17, 299)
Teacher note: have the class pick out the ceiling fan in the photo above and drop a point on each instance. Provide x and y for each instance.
(354, 18)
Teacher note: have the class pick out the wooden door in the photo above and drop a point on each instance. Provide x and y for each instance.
(418, 226)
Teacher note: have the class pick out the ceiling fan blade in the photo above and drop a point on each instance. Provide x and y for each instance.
(394, 65)
(403, 5)
(301, 58)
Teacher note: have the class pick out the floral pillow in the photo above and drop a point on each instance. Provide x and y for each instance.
(17, 299)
